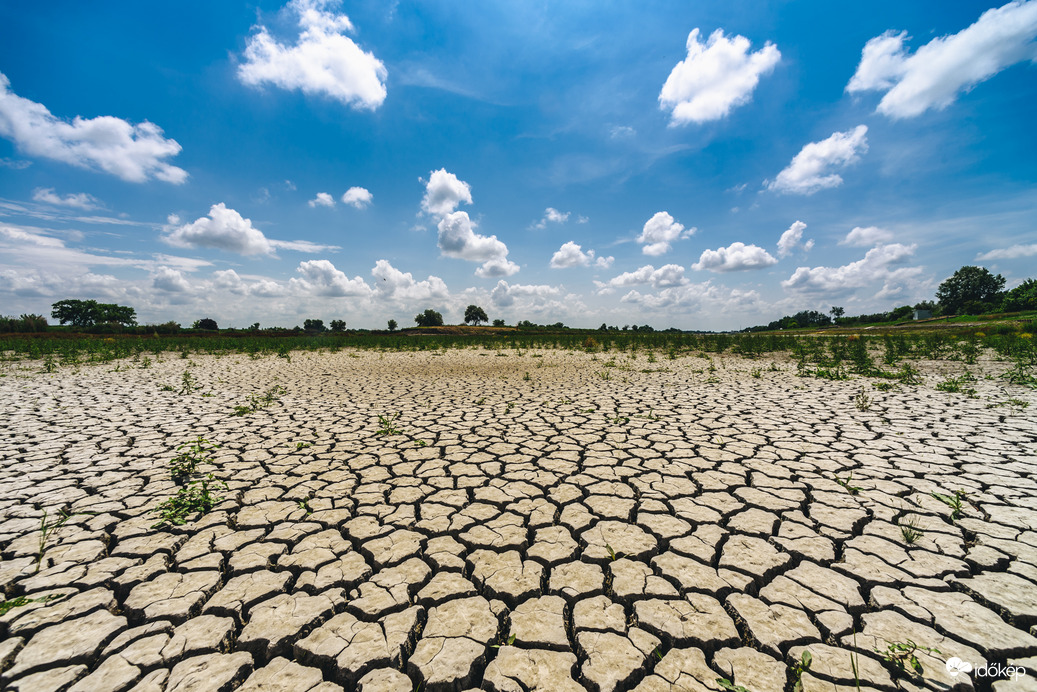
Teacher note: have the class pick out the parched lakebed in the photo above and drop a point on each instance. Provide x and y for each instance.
(514, 520)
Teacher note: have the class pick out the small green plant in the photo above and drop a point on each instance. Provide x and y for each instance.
(510, 641)
(901, 658)
(48, 364)
(730, 686)
(845, 483)
(188, 384)
(757, 374)
(861, 401)
(20, 601)
(526, 377)
(421, 443)
(48, 528)
(195, 497)
(303, 445)
(798, 668)
(620, 420)
(908, 375)
(259, 401)
(658, 654)
(388, 424)
(167, 388)
(884, 386)
(909, 530)
(613, 555)
(604, 374)
(189, 456)
(305, 506)
(1018, 402)
(953, 501)
(480, 402)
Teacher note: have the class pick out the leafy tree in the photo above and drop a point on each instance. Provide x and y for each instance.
(603, 328)
(206, 323)
(498, 323)
(836, 312)
(337, 325)
(900, 313)
(87, 313)
(429, 318)
(925, 305)
(314, 325)
(254, 327)
(1022, 297)
(392, 325)
(969, 286)
(475, 315)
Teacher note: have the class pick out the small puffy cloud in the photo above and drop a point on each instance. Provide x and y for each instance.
(812, 168)
(717, 76)
(323, 61)
(659, 231)
(170, 280)
(946, 66)
(357, 197)
(323, 199)
(499, 266)
(572, 255)
(877, 265)
(666, 276)
(733, 258)
(867, 237)
(457, 238)
(78, 200)
(505, 294)
(792, 238)
(444, 192)
(552, 215)
(1008, 253)
(320, 277)
(391, 283)
(225, 229)
(135, 153)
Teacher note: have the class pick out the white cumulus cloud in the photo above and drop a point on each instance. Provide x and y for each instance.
(323, 199)
(659, 231)
(170, 280)
(666, 276)
(78, 200)
(320, 277)
(572, 255)
(505, 294)
(792, 238)
(878, 264)
(226, 229)
(390, 282)
(357, 197)
(946, 66)
(715, 77)
(444, 192)
(134, 153)
(1014, 252)
(323, 61)
(733, 258)
(812, 169)
(869, 236)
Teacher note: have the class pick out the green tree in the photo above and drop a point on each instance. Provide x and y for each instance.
(206, 323)
(392, 325)
(314, 325)
(87, 313)
(498, 323)
(836, 312)
(254, 327)
(429, 318)
(337, 325)
(1022, 297)
(475, 315)
(969, 286)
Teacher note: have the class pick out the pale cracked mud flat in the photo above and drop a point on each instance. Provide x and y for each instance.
(652, 531)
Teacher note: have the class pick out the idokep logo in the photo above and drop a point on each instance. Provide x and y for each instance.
(956, 666)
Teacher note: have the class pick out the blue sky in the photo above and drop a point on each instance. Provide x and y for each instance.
(699, 165)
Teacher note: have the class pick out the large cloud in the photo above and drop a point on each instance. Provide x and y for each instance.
(691, 297)
(812, 168)
(505, 294)
(715, 77)
(323, 60)
(877, 265)
(132, 152)
(457, 236)
(666, 276)
(444, 192)
(391, 283)
(572, 255)
(320, 277)
(170, 280)
(941, 69)
(792, 238)
(226, 229)
(1014, 252)
(659, 231)
(735, 257)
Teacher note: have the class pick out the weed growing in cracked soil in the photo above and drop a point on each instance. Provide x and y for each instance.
(47, 529)
(953, 501)
(196, 497)
(260, 401)
(901, 659)
(909, 530)
(388, 424)
(189, 456)
(6, 606)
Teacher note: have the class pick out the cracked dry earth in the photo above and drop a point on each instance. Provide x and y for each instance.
(653, 531)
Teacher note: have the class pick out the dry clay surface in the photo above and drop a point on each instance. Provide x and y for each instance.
(543, 520)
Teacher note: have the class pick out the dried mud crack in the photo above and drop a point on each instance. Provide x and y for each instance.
(514, 521)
